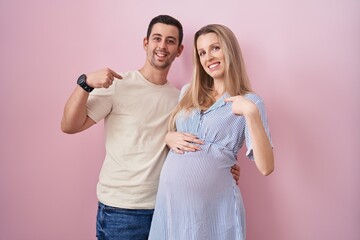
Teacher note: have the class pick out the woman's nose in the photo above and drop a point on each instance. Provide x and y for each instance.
(209, 56)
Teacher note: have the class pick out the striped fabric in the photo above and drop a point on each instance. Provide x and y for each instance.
(198, 198)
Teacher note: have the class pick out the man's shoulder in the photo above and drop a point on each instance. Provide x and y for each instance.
(129, 78)
(129, 75)
(172, 87)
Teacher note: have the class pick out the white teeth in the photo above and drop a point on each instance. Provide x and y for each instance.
(161, 54)
(213, 65)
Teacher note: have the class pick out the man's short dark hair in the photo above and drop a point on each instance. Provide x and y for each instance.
(166, 19)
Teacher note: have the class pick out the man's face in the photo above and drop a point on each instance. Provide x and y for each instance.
(162, 47)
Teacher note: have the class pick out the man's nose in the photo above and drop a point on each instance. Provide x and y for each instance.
(162, 45)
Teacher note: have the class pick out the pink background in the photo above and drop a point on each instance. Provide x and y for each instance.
(303, 58)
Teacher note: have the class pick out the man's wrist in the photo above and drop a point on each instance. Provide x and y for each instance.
(82, 83)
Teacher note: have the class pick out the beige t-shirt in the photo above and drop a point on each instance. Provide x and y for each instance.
(136, 113)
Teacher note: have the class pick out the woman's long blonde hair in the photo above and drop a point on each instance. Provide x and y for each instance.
(198, 95)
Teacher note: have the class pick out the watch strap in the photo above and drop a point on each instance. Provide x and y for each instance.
(82, 83)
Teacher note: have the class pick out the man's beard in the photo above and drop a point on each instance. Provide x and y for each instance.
(160, 65)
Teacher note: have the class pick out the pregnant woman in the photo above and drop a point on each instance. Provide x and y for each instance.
(197, 197)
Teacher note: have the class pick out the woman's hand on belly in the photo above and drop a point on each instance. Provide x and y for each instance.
(181, 142)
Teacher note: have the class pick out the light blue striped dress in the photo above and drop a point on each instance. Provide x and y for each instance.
(198, 198)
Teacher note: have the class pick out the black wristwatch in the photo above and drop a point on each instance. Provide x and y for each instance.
(82, 83)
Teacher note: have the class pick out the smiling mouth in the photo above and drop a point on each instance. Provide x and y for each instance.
(161, 54)
(214, 65)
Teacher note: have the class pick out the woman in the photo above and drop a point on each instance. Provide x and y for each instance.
(197, 197)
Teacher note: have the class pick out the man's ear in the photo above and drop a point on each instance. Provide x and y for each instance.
(145, 42)
(180, 49)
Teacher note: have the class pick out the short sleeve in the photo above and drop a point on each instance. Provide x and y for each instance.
(261, 107)
(100, 103)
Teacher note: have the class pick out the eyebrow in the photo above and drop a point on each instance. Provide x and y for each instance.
(210, 46)
(156, 34)
(159, 35)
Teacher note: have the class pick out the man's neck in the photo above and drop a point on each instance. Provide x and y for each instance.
(155, 76)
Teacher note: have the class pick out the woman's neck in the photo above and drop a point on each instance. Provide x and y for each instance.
(218, 90)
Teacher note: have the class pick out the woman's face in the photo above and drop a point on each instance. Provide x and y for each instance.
(211, 55)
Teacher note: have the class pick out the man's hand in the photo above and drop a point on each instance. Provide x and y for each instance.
(235, 171)
(181, 142)
(102, 78)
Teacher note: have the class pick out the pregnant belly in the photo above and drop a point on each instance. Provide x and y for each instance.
(196, 174)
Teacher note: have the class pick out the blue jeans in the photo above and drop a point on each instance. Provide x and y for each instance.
(122, 224)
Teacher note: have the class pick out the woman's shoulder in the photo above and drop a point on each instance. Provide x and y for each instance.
(253, 97)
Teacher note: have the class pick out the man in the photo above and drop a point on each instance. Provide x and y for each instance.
(135, 106)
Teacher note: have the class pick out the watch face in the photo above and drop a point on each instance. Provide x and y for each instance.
(82, 83)
(81, 79)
